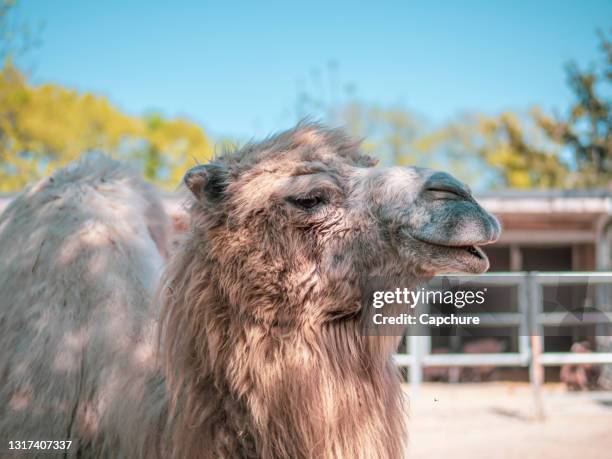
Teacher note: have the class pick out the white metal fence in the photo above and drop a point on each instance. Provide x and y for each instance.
(530, 319)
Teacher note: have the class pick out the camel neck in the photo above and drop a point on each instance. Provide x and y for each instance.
(312, 400)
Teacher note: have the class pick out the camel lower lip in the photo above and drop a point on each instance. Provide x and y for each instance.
(473, 251)
(471, 256)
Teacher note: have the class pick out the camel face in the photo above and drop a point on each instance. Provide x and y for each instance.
(305, 213)
(439, 224)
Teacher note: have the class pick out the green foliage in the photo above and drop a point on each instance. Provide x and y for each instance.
(392, 133)
(44, 127)
(534, 150)
(513, 149)
(544, 151)
(520, 155)
(389, 132)
(171, 147)
(587, 128)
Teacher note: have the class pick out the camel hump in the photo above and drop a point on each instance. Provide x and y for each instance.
(78, 271)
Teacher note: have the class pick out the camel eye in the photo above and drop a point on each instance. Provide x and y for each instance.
(307, 202)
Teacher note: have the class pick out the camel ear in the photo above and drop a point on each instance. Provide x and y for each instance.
(207, 181)
(368, 161)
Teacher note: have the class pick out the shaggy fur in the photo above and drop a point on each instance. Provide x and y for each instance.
(78, 266)
(262, 323)
(261, 334)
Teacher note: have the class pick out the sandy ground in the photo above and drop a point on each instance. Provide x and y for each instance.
(496, 420)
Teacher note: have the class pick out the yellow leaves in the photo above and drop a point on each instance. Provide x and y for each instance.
(44, 127)
(172, 147)
(519, 152)
(520, 179)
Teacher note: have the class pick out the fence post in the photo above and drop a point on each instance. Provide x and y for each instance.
(420, 345)
(522, 291)
(416, 370)
(536, 369)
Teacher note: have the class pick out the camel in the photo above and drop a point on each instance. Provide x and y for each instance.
(260, 325)
(81, 254)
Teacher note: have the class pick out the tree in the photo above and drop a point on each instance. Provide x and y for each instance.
(539, 150)
(44, 127)
(390, 131)
(171, 147)
(16, 37)
(513, 150)
(587, 128)
(510, 150)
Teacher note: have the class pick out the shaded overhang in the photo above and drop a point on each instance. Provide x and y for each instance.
(550, 217)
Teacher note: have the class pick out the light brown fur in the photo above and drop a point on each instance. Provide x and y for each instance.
(262, 324)
(261, 333)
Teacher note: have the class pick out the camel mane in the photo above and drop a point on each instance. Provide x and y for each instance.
(238, 383)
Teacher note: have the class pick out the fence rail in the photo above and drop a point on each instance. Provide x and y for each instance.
(530, 320)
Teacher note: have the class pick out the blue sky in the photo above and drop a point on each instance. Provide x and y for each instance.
(235, 67)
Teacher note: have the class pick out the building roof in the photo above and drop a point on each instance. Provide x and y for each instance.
(598, 202)
(542, 194)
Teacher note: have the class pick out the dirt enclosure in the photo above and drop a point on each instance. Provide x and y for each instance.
(496, 420)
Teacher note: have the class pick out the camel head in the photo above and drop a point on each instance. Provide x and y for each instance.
(435, 222)
(304, 217)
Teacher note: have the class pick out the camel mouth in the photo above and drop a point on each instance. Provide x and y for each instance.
(473, 251)
(471, 257)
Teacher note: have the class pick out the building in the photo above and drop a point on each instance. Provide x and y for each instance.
(551, 230)
(559, 233)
